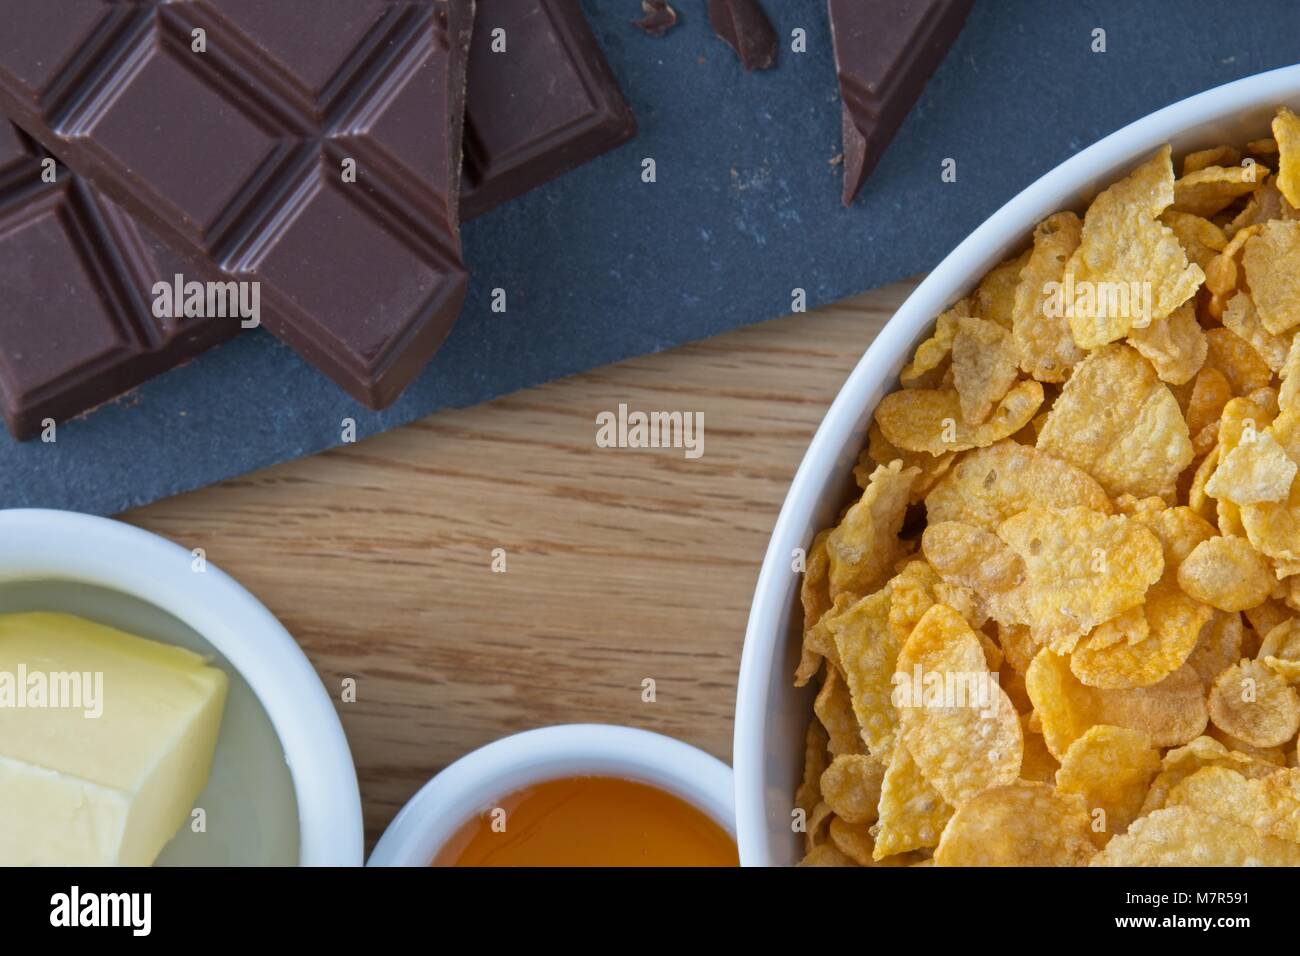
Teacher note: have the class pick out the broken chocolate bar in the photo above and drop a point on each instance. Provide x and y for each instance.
(659, 18)
(885, 52)
(310, 146)
(744, 27)
(78, 326)
(521, 132)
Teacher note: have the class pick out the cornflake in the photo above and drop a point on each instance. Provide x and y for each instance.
(1061, 625)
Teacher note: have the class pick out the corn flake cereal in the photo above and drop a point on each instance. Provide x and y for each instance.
(1217, 648)
(869, 653)
(916, 589)
(1224, 155)
(814, 595)
(933, 355)
(1118, 422)
(959, 725)
(1226, 573)
(1175, 346)
(1211, 189)
(995, 297)
(1111, 768)
(834, 708)
(1171, 712)
(1022, 824)
(1272, 263)
(1280, 650)
(1061, 623)
(827, 854)
(1181, 762)
(930, 420)
(809, 793)
(1172, 626)
(990, 485)
(1039, 324)
(1253, 472)
(983, 367)
(1038, 765)
(1286, 131)
(1253, 703)
(1181, 836)
(912, 813)
(1082, 568)
(1124, 246)
(1202, 239)
(851, 786)
(879, 451)
(1268, 804)
(864, 546)
(972, 558)
(854, 841)
(1273, 527)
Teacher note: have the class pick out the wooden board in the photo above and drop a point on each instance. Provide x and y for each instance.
(621, 564)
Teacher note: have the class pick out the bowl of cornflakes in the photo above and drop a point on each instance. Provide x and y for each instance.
(1033, 598)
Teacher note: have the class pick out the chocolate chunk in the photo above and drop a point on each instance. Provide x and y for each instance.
(77, 324)
(519, 132)
(745, 28)
(227, 128)
(659, 17)
(885, 51)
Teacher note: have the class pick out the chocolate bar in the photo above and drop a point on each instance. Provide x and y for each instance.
(885, 52)
(229, 129)
(659, 18)
(541, 100)
(76, 325)
(744, 27)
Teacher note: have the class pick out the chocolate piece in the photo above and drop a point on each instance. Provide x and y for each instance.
(885, 51)
(76, 320)
(659, 18)
(744, 27)
(225, 127)
(520, 132)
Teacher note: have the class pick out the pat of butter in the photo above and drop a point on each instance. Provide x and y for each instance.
(106, 739)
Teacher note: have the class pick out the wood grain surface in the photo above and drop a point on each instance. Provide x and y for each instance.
(622, 564)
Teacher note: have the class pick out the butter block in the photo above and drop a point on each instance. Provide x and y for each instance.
(106, 740)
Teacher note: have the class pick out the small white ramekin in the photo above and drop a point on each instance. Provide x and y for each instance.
(475, 782)
(771, 715)
(37, 545)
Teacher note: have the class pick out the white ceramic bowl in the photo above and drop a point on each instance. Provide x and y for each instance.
(771, 715)
(283, 788)
(476, 781)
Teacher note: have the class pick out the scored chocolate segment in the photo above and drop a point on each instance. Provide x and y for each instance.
(541, 103)
(744, 27)
(76, 322)
(885, 51)
(234, 154)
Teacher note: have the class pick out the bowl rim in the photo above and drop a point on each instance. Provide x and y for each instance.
(504, 766)
(49, 545)
(1061, 187)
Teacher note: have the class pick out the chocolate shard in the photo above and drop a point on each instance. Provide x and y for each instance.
(885, 52)
(744, 27)
(519, 132)
(77, 323)
(227, 128)
(659, 18)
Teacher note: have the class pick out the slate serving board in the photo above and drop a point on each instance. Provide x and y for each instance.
(600, 266)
